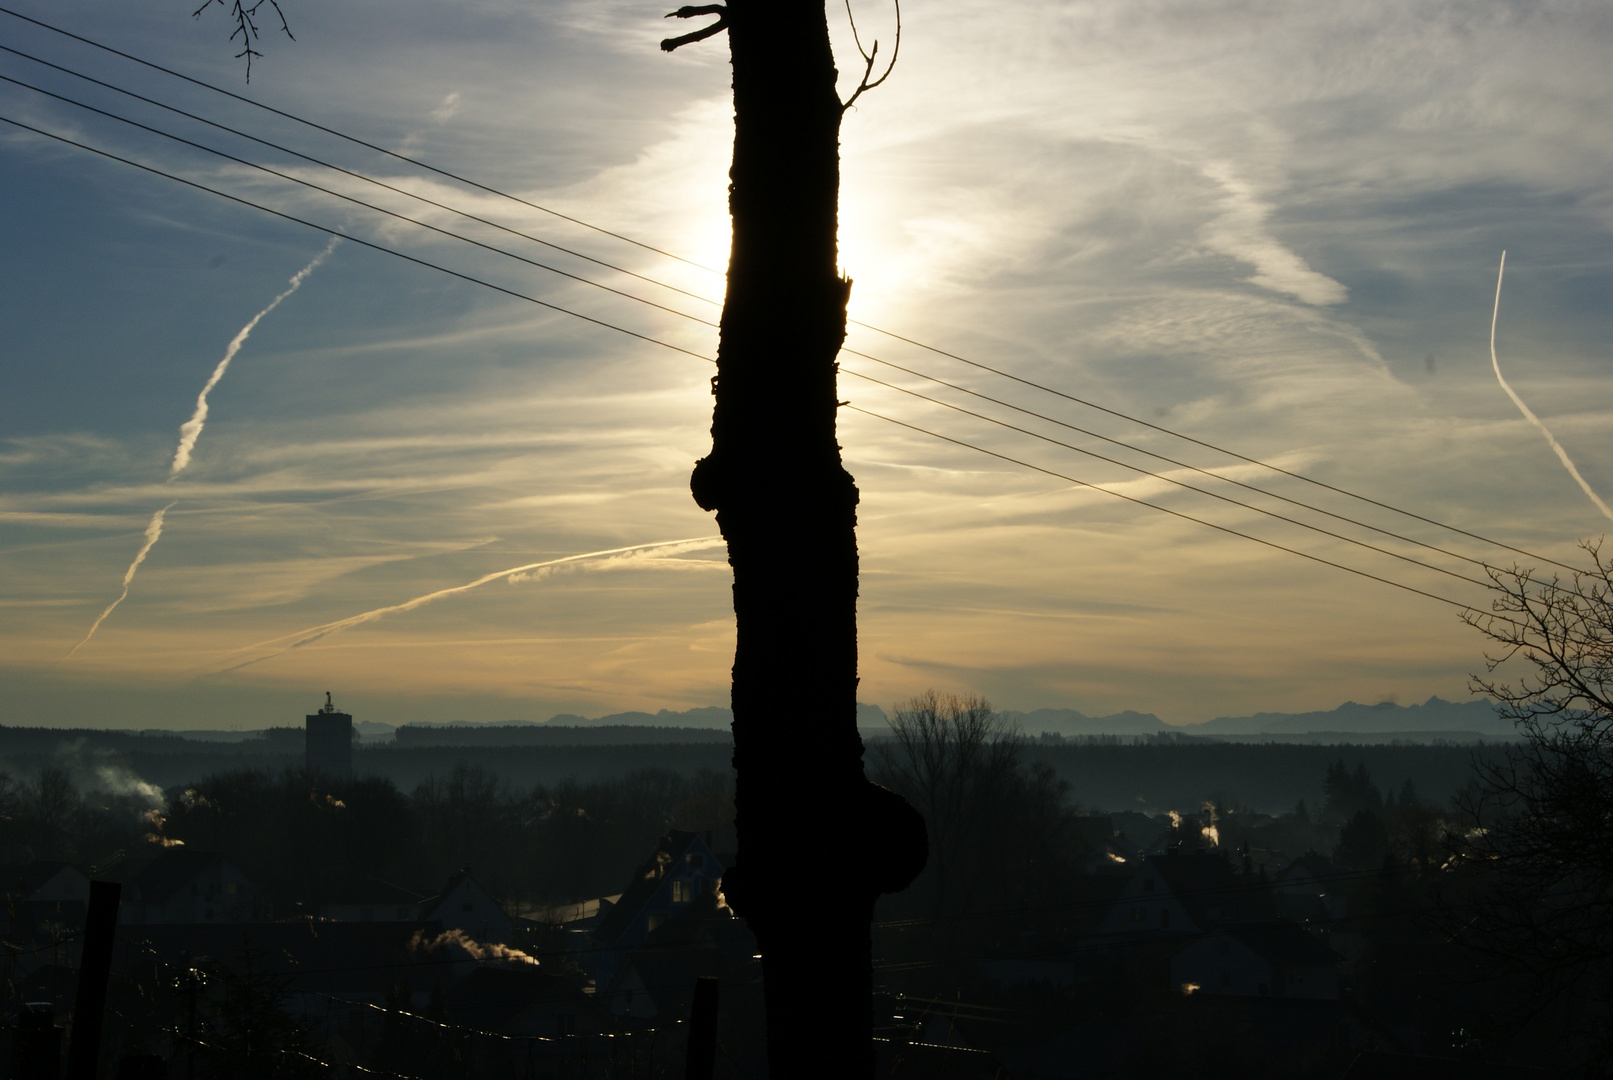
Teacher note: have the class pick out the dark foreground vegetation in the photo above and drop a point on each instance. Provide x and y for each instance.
(1406, 903)
(1115, 773)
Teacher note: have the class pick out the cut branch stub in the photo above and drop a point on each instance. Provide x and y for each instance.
(694, 11)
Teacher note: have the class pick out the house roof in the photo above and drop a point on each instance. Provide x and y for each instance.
(489, 998)
(380, 893)
(1282, 943)
(308, 954)
(1309, 864)
(1201, 880)
(646, 881)
(668, 975)
(430, 904)
(170, 872)
(27, 877)
(1378, 1065)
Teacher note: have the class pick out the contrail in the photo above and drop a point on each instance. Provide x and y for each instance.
(153, 531)
(191, 429)
(1562, 455)
(287, 642)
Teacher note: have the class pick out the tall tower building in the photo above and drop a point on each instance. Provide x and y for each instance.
(329, 743)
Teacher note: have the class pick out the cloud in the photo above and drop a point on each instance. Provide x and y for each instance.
(445, 112)
(191, 429)
(153, 534)
(275, 646)
(1240, 231)
(1557, 447)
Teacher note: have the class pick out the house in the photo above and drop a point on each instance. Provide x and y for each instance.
(462, 904)
(1310, 890)
(465, 906)
(381, 901)
(682, 869)
(521, 1000)
(44, 882)
(42, 902)
(1272, 958)
(706, 938)
(360, 961)
(183, 885)
(1180, 892)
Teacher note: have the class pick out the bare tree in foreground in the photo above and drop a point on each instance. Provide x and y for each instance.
(788, 510)
(1539, 849)
(949, 756)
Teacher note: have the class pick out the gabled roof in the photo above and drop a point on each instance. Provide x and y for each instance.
(1201, 881)
(172, 871)
(1282, 944)
(429, 905)
(1378, 1065)
(646, 881)
(490, 997)
(27, 877)
(1311, 864)
(379, 893)
(307, 954)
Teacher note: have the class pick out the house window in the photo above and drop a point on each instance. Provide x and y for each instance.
(1136, 914)
(654, 921)
(1164, 917)
(682, 891)
(697, 861)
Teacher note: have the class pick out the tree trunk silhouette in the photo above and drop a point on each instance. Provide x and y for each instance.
(817, 842)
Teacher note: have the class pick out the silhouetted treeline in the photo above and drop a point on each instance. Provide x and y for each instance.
(49, 818)
(1268, 776)
(410, 735)
(1114, 777)
(309, 843)
(336, 841)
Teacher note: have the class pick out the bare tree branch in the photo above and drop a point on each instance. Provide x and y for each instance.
(1531, 887)
(868, 57)
(246, 26)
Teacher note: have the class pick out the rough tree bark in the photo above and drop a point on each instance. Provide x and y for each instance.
(787, 508)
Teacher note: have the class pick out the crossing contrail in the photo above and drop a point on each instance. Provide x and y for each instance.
(153, 531)
(1562, 455)
(287, 642)
(191, 429)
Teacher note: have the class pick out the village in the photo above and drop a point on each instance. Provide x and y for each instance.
(1068, 943)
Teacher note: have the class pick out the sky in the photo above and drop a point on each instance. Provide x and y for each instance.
(1272, 227)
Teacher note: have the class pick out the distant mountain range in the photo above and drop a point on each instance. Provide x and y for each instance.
(711, 717)
(1071, 724)
(1434, 715)
(1434, 718)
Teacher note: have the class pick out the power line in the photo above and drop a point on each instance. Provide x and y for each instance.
(899, 337)
(347, 172)
(688, 352)
(1170, 480)
(880, 382)
(356, 201)
(1164, 509)
(352, 139)
(353, 239)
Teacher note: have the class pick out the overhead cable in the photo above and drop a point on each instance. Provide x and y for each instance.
(899, 337)
(689, 352)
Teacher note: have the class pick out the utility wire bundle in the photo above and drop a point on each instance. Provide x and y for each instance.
(1202, 480)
